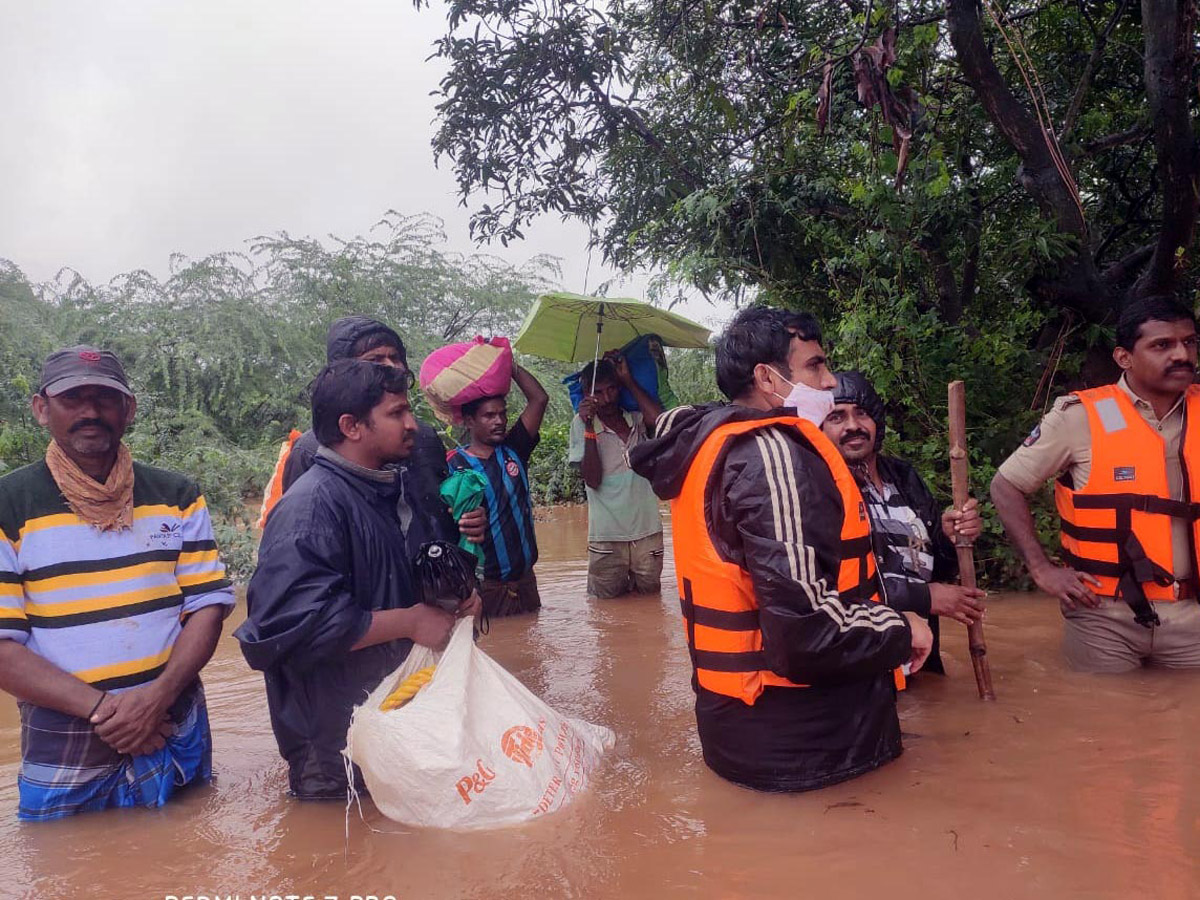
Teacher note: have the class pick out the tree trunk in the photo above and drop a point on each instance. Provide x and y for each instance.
(1168, 27)
(1077, 284)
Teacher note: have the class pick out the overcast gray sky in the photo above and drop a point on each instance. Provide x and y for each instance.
(137, 128)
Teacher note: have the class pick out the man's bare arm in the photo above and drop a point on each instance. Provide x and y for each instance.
(1070, 587)
(36, 680)
(589, 467)
(536, 400)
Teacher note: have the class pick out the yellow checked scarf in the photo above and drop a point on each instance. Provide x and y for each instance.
(107, 506)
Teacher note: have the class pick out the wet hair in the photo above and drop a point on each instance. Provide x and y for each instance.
(470, 409)
(381, 338)
(757, 335)
(604, 373)
(1159, 308)
(351, 387)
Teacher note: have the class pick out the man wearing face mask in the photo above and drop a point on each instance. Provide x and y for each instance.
(913, 538)
(792, 653)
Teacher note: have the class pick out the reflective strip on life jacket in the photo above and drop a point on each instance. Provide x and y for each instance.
(1117, 528)
(720, 610)
(274, 488)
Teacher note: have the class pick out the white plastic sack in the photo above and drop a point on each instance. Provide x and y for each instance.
(474, 748)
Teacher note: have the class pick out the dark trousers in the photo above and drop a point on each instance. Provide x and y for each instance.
(510, 598)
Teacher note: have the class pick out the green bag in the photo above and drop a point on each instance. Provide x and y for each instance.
(464, 491)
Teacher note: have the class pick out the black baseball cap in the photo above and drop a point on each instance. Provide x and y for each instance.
(79, 366)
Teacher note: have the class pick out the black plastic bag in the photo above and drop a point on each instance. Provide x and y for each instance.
(445, 575)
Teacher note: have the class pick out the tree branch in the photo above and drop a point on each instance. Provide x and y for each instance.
(1012, 17)
(973, 234)
(1077, 284)
(949, 298)
(1089, 72)
(1115, 140)
(631, 117)
(1122, 270)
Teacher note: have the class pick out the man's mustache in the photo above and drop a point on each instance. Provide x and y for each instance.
(851, 435)
(90, 423)
(1181, 367)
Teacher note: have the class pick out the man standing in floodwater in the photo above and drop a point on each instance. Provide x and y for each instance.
(112, 599)
(331, 609)
(423, 513)
(792, 652)
(913, 537)
(625, 544)
(1126, 458)
(501, 455)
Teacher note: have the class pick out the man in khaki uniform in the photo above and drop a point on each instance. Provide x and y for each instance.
(1114, 505)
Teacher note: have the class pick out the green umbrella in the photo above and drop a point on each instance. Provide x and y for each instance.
(575, 328)
(463, 491)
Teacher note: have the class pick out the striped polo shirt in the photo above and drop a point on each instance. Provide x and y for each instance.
(105, 606)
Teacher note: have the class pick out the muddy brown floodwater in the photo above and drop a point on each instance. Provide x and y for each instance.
(1067, 786)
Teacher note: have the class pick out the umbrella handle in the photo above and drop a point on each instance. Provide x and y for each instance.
(596, 355)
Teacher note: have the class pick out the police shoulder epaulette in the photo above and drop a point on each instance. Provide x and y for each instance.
(1066, 401)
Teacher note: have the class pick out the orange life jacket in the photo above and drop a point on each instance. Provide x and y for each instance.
(274, 488)
(1118, 526)
(720, 610)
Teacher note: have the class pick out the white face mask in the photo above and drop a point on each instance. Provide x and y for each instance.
(809, 403)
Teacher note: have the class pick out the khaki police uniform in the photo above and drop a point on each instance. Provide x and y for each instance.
(1107, 639)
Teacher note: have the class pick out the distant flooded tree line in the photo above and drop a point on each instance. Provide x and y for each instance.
(221, 350)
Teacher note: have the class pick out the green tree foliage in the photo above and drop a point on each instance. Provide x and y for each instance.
(749, 143)
(959, 189)
(220, 351)
(27, 334)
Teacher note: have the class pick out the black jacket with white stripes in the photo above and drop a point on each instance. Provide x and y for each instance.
(773, 509)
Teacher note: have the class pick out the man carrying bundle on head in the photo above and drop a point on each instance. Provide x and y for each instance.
(501, 456)
(792, 652)
(422, 512)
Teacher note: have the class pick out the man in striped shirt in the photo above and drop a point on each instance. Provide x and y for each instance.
(501, 455)
(913, 537)
(112, 598)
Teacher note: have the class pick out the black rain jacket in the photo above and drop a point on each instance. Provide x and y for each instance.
(844, 724)
(420, 479)
(331, 553)
(421, 474)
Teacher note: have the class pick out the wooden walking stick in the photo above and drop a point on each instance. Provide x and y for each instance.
(960, 470)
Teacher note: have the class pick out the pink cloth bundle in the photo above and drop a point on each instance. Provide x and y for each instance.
(459, 373)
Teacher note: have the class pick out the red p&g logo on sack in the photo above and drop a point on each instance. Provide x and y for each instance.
(521, 744)
(476, 782)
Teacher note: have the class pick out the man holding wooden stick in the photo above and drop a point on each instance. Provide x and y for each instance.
(914, 539)
(1126, 458)
(792, 652)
